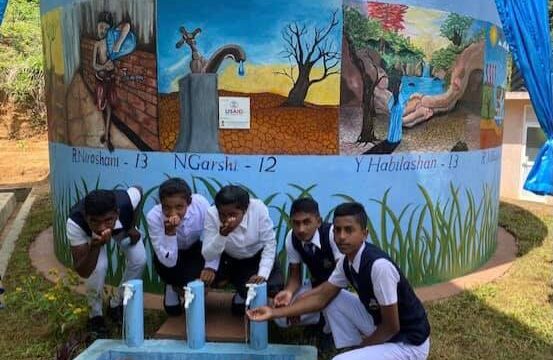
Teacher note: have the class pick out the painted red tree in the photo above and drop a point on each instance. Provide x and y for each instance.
(390, 16)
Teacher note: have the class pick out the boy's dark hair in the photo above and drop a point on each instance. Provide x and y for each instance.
(105, 17)
(354, 209)
(99, 202)
(232, 194)
(175, 186)
(306, 205)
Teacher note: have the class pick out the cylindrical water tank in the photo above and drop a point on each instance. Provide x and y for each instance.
(397, 104)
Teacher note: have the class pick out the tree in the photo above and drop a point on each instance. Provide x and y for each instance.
(361, 34)
(455, 27)
(390, 16)
(304, 54)
(363, 37)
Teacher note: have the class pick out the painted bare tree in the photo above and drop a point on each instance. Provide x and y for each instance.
(305, 53)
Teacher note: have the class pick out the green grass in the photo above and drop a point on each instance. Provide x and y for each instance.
(510, 318)
(21, 61)
(25, 332)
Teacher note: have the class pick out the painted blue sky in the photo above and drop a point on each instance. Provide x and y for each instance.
(254, 25)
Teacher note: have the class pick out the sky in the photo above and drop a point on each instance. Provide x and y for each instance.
(254, 25)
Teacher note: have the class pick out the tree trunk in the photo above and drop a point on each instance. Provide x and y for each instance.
(367, 129)
(296, 96)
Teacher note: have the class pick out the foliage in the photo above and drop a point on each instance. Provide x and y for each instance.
(455, 28)
(21, 60)
(361, 31)
(444, 58)
(62, 308)
(368, 33)
(391, 16)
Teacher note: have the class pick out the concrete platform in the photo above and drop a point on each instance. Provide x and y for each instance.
(221, 325)
(7, 206)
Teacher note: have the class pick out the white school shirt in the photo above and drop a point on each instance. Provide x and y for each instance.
(294, 256)
(384, 277)
(254, 233)
(189, 230)
(77, 236)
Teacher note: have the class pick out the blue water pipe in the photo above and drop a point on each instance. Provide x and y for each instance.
(259, 331)
(133, 314)
(194, 304)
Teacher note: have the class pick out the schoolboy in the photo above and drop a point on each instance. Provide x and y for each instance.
(239, 236)
(387, 321)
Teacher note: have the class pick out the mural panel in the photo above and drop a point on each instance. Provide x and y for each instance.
(397, 104)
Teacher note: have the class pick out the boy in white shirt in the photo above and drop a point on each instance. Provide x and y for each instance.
(239, 236)
(387, 321)
(175, 227)
(94, 221)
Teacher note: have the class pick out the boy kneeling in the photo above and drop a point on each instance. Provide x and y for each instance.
(388, 321)
(175, 227)
(239, 238)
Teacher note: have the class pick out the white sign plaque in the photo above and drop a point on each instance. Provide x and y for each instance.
(234, 112)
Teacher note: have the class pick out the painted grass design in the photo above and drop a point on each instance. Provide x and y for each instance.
(431, 242)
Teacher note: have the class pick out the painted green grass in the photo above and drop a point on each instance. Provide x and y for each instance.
(432, 241)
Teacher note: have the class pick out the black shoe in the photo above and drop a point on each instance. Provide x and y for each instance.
(237, 309)
(96, 328)
(116, 314)
(1, 291)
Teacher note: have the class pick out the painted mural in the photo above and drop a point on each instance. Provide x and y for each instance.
(102, 85)
(396, 104)
(285, 59)
(419, 79)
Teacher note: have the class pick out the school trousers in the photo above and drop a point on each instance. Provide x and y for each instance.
(190, 263)
(350, 321)
(135, 260)
(239, 271)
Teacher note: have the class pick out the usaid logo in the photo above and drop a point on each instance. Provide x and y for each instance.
(234, 108)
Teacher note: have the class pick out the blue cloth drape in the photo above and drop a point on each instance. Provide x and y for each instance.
(526, 27)
(3, 5)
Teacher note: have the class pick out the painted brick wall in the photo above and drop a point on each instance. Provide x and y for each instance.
(137, 98)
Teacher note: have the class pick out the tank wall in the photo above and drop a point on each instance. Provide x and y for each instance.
(399, 107)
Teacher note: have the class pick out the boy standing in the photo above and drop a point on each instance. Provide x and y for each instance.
(387, 321)
(240, 240)
(92, 223)
(175, 227)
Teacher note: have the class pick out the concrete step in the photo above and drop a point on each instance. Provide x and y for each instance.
(221, 325)
(7, 206)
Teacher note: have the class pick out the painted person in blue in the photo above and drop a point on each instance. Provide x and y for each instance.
(387, 321)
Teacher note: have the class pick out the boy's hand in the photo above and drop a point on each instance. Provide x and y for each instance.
(134, 235)
(283, 298)
(207, 276)
(171, 223)
(227, 226)
(256, 279)
(100, 239)
(262, 313)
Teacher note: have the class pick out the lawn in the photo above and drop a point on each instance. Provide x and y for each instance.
(510, 318)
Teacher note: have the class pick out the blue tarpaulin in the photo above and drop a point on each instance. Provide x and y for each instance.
(3, 5)
(526, 27)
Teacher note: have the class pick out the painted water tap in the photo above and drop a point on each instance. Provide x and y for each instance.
(188, 297)
(251, 294)
(128, 293)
